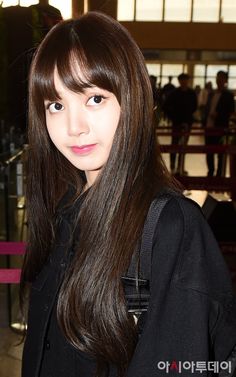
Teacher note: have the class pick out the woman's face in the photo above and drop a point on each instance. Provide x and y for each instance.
(82, 126)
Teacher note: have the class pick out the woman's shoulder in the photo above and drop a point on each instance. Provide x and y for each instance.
(179, 209)
(184, 213)
(184, 239)
(176, 218)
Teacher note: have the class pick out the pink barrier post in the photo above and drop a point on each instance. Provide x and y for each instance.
(11, 275)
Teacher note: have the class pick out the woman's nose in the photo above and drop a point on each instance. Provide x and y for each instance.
(78, 123)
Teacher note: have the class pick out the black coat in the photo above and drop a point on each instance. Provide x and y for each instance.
(192, 310)
(224, 108)
(180, 106)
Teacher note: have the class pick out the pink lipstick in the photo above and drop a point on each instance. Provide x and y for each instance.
(83, 149)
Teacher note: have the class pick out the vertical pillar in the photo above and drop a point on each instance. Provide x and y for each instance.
(108, 7)
(78, 8)
(190, 70)
(192, 57)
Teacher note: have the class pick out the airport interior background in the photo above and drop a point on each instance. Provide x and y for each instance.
(195, 37)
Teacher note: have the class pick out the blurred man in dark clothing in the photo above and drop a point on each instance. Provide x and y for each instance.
(21, 30)
(179, 107)
(220, 106)
(44, 17)
(167, 89)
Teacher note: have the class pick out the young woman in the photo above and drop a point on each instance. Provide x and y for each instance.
(93, 171)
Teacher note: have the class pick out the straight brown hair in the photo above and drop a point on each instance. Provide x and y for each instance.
(91, 305)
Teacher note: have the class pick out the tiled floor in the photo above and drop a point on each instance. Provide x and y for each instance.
(10, 351)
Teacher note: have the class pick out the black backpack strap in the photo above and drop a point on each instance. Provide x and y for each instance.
(138, 277)
(150, 225)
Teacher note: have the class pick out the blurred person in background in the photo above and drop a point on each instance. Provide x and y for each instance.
(180, 106)
(219, 107)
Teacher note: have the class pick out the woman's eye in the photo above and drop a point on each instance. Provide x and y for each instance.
(55, 107)
(95, 100)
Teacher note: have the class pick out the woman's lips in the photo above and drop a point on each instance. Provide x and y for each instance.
(83, 149)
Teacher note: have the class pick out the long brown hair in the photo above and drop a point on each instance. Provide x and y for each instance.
(91, 301)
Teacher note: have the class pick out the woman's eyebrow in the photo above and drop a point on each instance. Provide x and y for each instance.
(88, 87)
(57, 94)
(94, 88)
